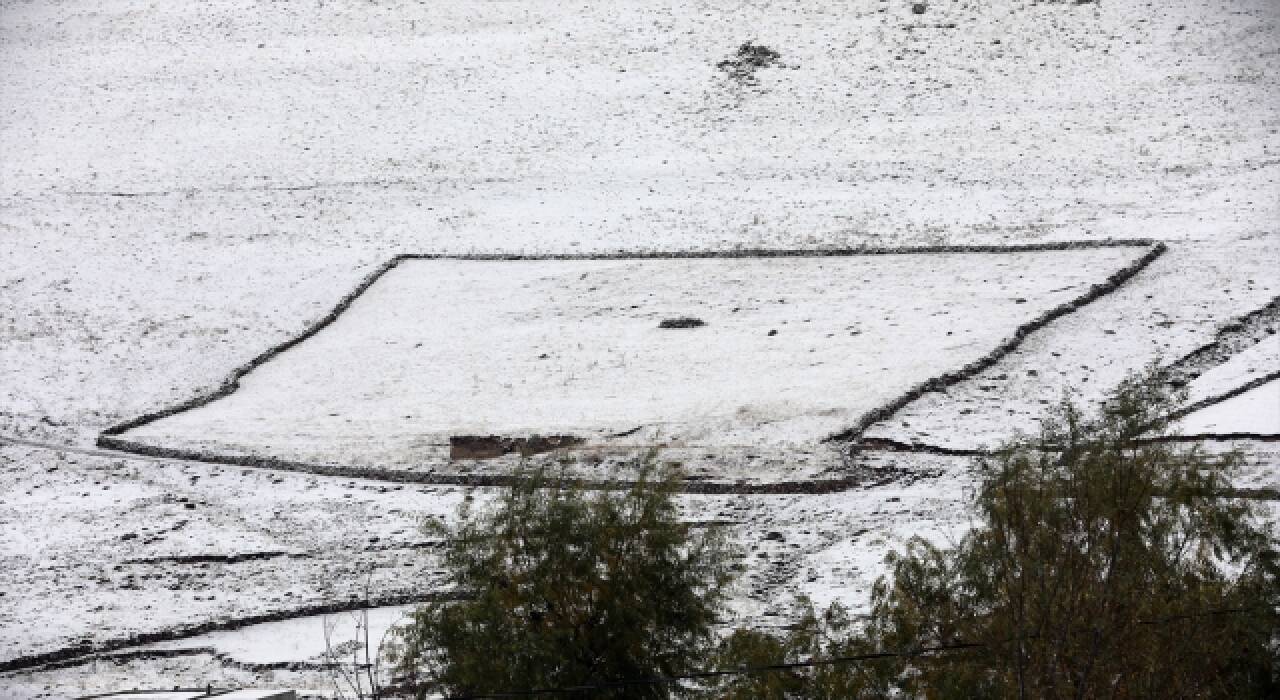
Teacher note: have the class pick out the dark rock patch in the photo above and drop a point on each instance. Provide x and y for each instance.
(682, 322)
(749, 58)
(493, 446)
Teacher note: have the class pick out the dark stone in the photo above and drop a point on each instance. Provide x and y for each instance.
(682, 322)
(919, 8)
(749, 58)
(491, 446)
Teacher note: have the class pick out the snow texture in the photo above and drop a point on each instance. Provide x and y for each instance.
(185, 184)
(1242, 368)
(1254, 412)
(793, 350)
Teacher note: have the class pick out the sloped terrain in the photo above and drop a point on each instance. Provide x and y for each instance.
(769, 355)
(185, 184)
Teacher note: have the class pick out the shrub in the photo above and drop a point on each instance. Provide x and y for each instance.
(773, 664)
(571, 588)
(1102, 563)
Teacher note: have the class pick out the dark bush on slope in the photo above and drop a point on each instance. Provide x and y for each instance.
(1102, 564)
(572, 588)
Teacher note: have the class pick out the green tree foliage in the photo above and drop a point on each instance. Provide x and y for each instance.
(571, 588)
(773, 664)
(1102, 564)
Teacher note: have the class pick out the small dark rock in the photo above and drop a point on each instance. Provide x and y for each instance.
(749, 58)
(919, 7)
(773, 332)
(774, 536)
(682, 322)
(491, 446)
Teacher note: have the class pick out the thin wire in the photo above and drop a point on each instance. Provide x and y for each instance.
(719, 673)
(811, 663)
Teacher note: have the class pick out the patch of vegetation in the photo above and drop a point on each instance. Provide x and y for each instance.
(1103, 564)
(572, 588)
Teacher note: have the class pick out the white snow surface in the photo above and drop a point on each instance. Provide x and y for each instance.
(185, 184)
(315, 638)
(793, 350)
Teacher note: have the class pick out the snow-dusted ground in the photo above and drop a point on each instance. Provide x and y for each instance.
(319, 540)
(1254, 412)
(317, 638)
(185, 184)
(1249, 365)
(99, 549)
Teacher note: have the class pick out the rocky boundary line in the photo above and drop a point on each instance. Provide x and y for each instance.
(1229, 340)
(945, 381)
(871, 477)
(1232, 338)
(1219, 398)
(231, 559)
(881, 444)
(227, 660)
(217, 558)
(1215, 437)
(110, 438)
(874, 476)
(77, 654)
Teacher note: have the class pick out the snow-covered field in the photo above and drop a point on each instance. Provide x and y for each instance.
(792, 350)
(1254, 412)
(184, 185)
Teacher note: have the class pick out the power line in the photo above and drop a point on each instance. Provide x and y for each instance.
(811, 663)
(720, 673)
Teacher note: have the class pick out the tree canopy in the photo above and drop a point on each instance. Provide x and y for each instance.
(1106, 560)
(572, 588)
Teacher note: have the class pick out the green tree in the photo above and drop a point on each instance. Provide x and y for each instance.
(1104, 561)
(773, 665)
(571, 588)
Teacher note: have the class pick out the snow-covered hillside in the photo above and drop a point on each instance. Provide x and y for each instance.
(185, 185)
